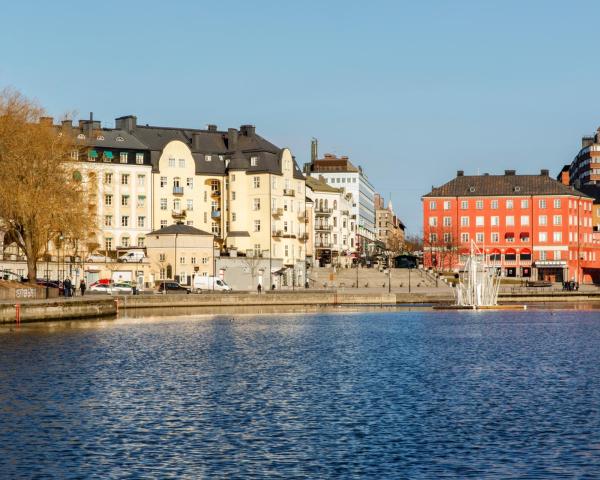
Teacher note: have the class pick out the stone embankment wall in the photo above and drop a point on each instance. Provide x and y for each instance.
(59, 309)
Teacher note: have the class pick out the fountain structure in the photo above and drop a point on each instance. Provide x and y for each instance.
(479, 282)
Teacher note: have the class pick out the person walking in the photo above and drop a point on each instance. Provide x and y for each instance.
(67, 287)
(82, 287)
(259, 288)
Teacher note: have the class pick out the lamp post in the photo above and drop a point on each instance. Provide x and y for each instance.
(389, 272)
(409, 278)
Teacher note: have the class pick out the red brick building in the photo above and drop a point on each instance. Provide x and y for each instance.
(529, 226)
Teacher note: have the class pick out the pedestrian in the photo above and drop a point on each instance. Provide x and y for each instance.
(67, 287)
(259, 288)
(82, 287)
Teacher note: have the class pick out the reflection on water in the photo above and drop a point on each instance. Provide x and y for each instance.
(375, 394)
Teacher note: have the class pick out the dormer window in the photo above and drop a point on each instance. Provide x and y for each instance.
(123, 157)
(517, 189)
(120, 139)
(471, 189)
(208, 158)
(253, 161)
(81, 136)
(107, 156)
(100, 137)
(92, 155)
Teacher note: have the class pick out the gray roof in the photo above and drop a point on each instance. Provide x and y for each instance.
(180, 229)
(493, 185)
(238, 234)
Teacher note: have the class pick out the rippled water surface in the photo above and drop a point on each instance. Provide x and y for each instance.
(372, 395)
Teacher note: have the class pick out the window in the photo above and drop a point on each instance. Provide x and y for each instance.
(464, 205)
(163, 182)
(139, 158)
(557, 254)
(447, 221)
(524, 220)
(542, 237)
(494, 205)
(125, 179)
(141, 180)
(233, 177)
(181, 163)
(124, 200)
(125, 221)
(208, 158)
(510, 221)
(257, 225)
(525, 203)
(446, 205)
(479, 237)
(233, 216)
(108, 200)
(74, 155)
(141, 222)
(163, 223)
(432, 205)
(108, 220)
(123, 157)
(495, 221)
(479, 221)
(190, 204)
(433, 237)
(108, 178)
(176, 204)
(464, 237)
(543, 255)
(509, 204)
(163, 203)
(171, 162)
(433, 221)
(141, 241)
(543, 220)
(190, 182)
(557, 237)
(189, 223)
(253, 161)
(495, 237)
(479, 204)
(193, 260)
(108, 243)
(464, 221)
(181, 260)
(557, 220)
(256, 204)
(557, 203)
(447, 238)
(256, 182)
(542, 203)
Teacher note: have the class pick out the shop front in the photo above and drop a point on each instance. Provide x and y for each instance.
(551, 270)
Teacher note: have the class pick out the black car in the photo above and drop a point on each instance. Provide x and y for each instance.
(172, 287)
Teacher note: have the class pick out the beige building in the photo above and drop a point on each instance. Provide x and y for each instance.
(389, 228)
(180, 252)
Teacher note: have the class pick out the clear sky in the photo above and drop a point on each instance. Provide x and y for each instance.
(410, 90)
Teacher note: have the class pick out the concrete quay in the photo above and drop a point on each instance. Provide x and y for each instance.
(56, 309)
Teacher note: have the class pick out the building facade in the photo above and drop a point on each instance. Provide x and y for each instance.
(389, 228)
(585, 167)
(528, 226)
(339, 172)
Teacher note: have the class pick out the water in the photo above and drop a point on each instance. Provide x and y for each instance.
(374, 395)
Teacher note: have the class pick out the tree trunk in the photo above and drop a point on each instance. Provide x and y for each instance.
(31, 269)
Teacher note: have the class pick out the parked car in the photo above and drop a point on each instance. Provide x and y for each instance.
(132, 256)
(95, 258)
(100, 288)
(122, 288)
(172, 287)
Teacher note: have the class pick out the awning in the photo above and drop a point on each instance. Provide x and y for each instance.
(278, 271)
(93, 154)
(524, 235)
(509, 235)
(108, 154)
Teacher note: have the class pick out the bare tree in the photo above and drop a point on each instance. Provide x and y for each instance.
(42, 193)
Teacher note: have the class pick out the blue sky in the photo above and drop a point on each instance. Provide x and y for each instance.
(412, 91)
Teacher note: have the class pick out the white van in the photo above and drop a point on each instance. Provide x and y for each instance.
(132, 256)
(208, 284)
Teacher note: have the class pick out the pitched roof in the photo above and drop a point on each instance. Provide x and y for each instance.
(180, 229)
(591, 191)
(318, 185)
(507, 184)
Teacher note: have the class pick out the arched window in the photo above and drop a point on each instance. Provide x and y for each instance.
(169, 271)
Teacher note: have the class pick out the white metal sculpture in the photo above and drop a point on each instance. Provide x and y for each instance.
(479, 283)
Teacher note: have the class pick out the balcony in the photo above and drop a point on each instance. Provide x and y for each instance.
(177, 190)
(277, 212)
(323, 228)
(277, 233)
(215, 193)
(178, 214)
(215, 214)
(320, 244)
(289, 235)
(323, 211)
(289, 192)
(345, 212)
(303, 236)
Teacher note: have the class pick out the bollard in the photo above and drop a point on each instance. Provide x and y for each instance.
(18, 313)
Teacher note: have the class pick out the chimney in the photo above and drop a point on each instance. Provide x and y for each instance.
(67, 124)
(460, 173)
(232, 139)
(47, 121)
(211, 127)
(196, 141)
(314, 150)
(127, 123)
(544, 172)
(248, 130)
(510, 173)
